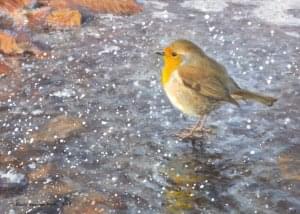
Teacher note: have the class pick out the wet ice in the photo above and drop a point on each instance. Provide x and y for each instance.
(108, 75)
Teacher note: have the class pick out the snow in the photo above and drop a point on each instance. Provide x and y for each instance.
(272, 11)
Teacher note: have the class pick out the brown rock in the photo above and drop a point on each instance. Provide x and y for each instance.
(94, 202)
(42, 172)
(124, 7)
(56, 4)
(58, 188)
(110, 201)
(13, 5)
(27, 151)
(10, 85)
(6, 22)
(60, 127)
(8, 44)
(289, 163)
(63, 18)
(9, 160)
(4, 69)
(37, 18)
(12, 11)
(28, 46)
(18, 44)
(79, 207)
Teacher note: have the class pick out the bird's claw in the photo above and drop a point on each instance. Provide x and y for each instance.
(193, 134)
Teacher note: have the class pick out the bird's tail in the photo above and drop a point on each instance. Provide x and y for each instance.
(248, 95)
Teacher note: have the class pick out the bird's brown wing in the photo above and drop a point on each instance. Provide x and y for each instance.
(206, 84)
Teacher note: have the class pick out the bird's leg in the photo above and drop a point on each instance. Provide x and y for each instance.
(199, 127)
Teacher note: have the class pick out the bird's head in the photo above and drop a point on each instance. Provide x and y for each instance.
(179, 51)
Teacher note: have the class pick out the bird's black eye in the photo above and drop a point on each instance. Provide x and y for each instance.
(174, 54)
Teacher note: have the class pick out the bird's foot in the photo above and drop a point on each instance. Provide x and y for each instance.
(188, 135)
(204, 130)
(185, 135)
(193, 134)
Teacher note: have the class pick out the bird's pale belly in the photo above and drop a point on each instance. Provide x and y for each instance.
(187, 100)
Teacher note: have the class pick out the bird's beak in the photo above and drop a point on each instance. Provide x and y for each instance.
(160, 53)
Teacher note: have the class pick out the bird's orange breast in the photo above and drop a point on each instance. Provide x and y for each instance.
(171, 64)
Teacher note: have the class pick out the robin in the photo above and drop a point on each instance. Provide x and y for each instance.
(197, 84)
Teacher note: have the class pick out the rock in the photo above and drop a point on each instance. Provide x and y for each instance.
(37, 18)
(12, 6)
(58, 187)
(124, 7)
(9, 161)
(27, 151)
(6, 22)
(94, 202)
(289, 163)
(25, 42)
(42, 172)
(4, 69)
(45, 18)
(186, 173)
(19, 44)
(8, 44)
(12, 13)
(183, 171)
(64, 18)
(10, 83)
(78, 207)
(111, 201)
(182, 200)
(58, 128)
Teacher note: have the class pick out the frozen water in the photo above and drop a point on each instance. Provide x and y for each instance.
(108, 75)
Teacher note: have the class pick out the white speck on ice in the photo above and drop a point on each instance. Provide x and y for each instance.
(64, 93)
(109, 49)
(70, 58)
(287, 120)
(293, 34)
(37, 112)
(269, 80)
(206, 16)
(157, 5)
(32, 165)
(206, 6)
(163, 15)
(11, 211)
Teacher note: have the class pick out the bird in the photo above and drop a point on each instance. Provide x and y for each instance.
(197, 84)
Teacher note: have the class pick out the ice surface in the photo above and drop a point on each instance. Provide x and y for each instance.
(275, 12)
(107, 74)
